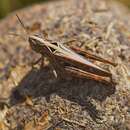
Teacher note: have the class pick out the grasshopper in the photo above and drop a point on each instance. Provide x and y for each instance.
(69, 60)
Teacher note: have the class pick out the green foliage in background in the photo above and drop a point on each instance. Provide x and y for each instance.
(126, 2)
(7, 6)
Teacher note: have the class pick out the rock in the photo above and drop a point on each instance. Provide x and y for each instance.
(99, 26)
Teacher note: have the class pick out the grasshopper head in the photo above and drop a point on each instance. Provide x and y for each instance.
(35, 44)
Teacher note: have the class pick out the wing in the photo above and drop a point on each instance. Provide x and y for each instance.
(91, 56)
(87, 66)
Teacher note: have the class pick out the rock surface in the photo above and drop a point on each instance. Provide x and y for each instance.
(35, 99)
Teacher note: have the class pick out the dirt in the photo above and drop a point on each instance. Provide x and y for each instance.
(32, 98)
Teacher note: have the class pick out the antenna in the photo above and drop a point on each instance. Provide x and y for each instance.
(22, 24)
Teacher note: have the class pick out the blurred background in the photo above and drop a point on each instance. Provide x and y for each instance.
(6, 6)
